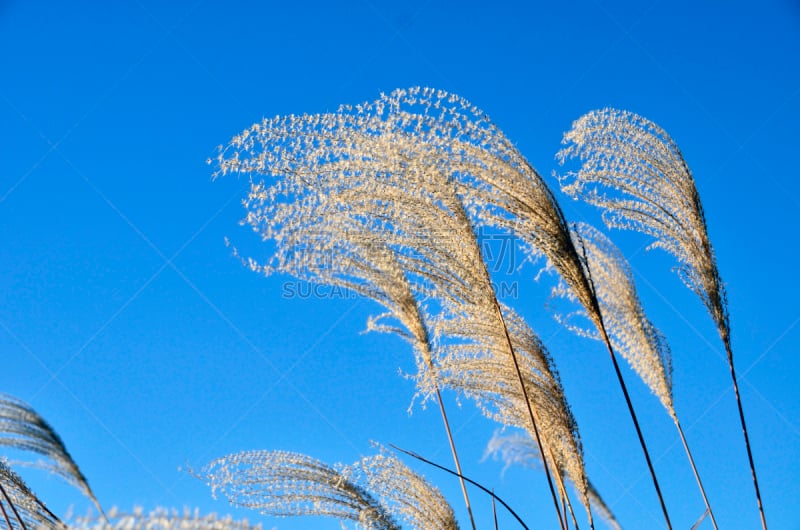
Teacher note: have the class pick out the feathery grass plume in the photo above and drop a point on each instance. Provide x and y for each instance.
(283, 484)
(631, 332)
(22, 428)
(338, 237)
(440, 467)
(406, 494)
(481, 321)
(473, 359)
(458, 141)
(20, 508)
(160, 519)
(636, 174)
(375, 491)
(518, 450)
(376, 172)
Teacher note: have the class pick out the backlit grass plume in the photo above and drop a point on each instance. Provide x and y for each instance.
(473, 359)
(411, 132)
(328, 233)
(632, 335)
(382, 178)
(406, 494)
(636, 174)
(375, 492)
(283, 484)
(23, 428)
(631, 332)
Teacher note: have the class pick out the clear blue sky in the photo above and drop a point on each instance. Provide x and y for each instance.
(127, 323)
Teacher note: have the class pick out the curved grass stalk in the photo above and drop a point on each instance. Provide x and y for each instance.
(470, 329)
(476, 484)
(405, 493)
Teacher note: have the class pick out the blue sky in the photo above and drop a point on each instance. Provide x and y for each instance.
(128, 324)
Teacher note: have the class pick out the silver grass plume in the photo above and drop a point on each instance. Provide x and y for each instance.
(474, 321)
(328, 244)
(160, 519)
(376, 172)
(407, 495)
(23, 428)
(636, 174)
(473, 359)
(283, 484)
(518, 450)
(492, 177)
(374, 492)
(20, 508)
(348, 229)
(632, 334)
